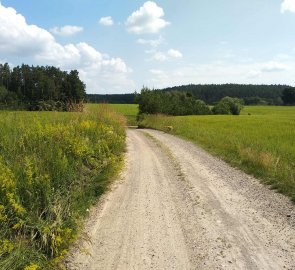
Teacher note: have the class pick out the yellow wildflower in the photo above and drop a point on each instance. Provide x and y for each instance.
(32, 267)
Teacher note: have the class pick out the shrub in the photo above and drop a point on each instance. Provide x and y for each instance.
(201, 108)
(170, 103)
(228, 105)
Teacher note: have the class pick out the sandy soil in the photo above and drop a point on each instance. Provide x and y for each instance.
(177, 207)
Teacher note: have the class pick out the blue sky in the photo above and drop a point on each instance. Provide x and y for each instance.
(119, 46)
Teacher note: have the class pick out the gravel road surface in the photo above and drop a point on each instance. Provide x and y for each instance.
(177, 207)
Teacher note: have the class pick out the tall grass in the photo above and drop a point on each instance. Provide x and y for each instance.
(53, 166)
(261, 141)
(128, 110)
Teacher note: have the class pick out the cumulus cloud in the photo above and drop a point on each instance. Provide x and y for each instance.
(19, 38)
(151, 42)
(67, 30)
(106, 21)
(99, 71)
(288, 5)
(147, 20)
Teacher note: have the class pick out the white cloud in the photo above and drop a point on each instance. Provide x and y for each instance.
(16, 37)
(158, 78)
(288, 5)
(174, 53)
(160, 56)
(273, 67)
(146, 20)
(163, 56)
(156, 72)
(22, 41)
(222, 72)
(252, 74)
(151, 42)
(106, 21)
(260, 69)
(67, 30)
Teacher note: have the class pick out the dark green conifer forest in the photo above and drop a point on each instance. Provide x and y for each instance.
(40, 88)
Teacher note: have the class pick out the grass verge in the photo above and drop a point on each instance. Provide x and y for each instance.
(260, 142)
(128, 110)
(53, 166)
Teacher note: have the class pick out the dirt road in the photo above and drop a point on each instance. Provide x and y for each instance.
(177, 207)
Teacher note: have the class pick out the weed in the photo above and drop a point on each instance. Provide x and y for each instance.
(52, 167)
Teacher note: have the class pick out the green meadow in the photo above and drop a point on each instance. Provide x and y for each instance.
(260, 141)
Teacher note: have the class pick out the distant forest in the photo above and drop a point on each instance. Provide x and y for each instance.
(49, 88)
(112, 99)
(40, 88)
(212, 93)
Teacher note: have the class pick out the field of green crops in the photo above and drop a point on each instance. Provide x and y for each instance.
(261, 141)
(53, 166)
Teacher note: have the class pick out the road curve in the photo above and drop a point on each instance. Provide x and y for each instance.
(177, 207)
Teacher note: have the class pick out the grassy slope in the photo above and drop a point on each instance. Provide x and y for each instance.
(52, 167)
(260, 141)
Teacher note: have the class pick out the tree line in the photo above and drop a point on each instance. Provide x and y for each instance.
(212, 93)
(181, 103)
(40, 88)
(250, 93)
(111, 98)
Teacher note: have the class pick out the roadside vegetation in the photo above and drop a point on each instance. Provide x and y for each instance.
(53, 166)
(129, 111)
(260, 141)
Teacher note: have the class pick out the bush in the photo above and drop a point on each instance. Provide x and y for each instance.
(170, 103)
(228, 105)
(201, 108)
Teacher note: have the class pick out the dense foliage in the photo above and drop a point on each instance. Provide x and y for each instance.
(40, 88)
(181, 103)
(289, 96)
(212, 93)
(228, 105)
(53, 165)
(112, 99)
(170, 103)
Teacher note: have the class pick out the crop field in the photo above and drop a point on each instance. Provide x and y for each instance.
(53, 166)
(260, 141)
